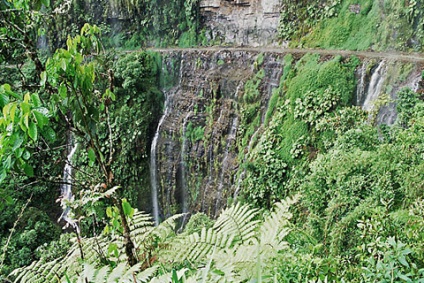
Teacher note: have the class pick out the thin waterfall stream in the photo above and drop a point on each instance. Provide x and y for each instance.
(153, 166)
(66, 187)
(375, 86)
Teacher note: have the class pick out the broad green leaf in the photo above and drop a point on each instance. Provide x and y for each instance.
(26, 107)
(17, 141)
(128, 210)
(404, 277)
(12, 112)
(62, 91)
(36, 100)
(6, 88)
(42, 119)
(28, 170)
(19, 151)
(6, 110)
(43, 78)
(4, 99)
(8, 200)
(175, 276)
(113, 249)
(403, 261)
(27, 97)
(109, 212)
(63, 64)
(32, 131)
(7, 163)
(26, 155)
(23, 122)
(3, 175)
(91, 157)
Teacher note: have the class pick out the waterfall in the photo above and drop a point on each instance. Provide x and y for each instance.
(153, 167)
(375, 86)
(66, 187)
(360, 88)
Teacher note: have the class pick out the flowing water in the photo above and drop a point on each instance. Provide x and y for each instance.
(153, 167)
(375, 86)
(66, 187)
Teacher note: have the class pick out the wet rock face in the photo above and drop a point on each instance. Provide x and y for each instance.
(196, 149)
(241, 22)
(202, 139)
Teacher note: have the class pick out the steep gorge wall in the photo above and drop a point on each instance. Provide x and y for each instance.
(223, 105)
(196, 151)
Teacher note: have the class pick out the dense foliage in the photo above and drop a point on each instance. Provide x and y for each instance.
(353, 25)
(353, 189)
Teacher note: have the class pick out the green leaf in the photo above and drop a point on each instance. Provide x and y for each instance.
(19, 152)
(4, 99)
(24, 122)
(32, 131)
(128, 210)
(7, 163)
(175, 276)
(109, 212)
(43, 78)
(404, 277)
(26, 155)
(6, 110)
(26, 107)
(403, 261)
(12, 112)
(17, 141)
(36, 100)
(28, 170)
(8, 200)
(91, 157)
(41, 118)
(63, 64)
(63, 92)
(113, 249)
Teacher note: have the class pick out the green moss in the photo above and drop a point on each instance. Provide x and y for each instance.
(378, 25)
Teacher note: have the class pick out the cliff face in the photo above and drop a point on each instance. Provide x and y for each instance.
(223, 105)
(196, 148)
(241, 22)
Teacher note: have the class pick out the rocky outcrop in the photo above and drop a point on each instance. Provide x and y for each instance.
(241, 22)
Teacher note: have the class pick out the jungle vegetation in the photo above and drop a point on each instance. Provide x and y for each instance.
(332, 195)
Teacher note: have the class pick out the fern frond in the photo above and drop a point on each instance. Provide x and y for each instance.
(145, 275)
(101, 274)
(238, 221)
(117, 272)
(275, 226)
(140, 224)
(196, 247)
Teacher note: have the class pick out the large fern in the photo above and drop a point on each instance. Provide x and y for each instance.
(241, 246)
